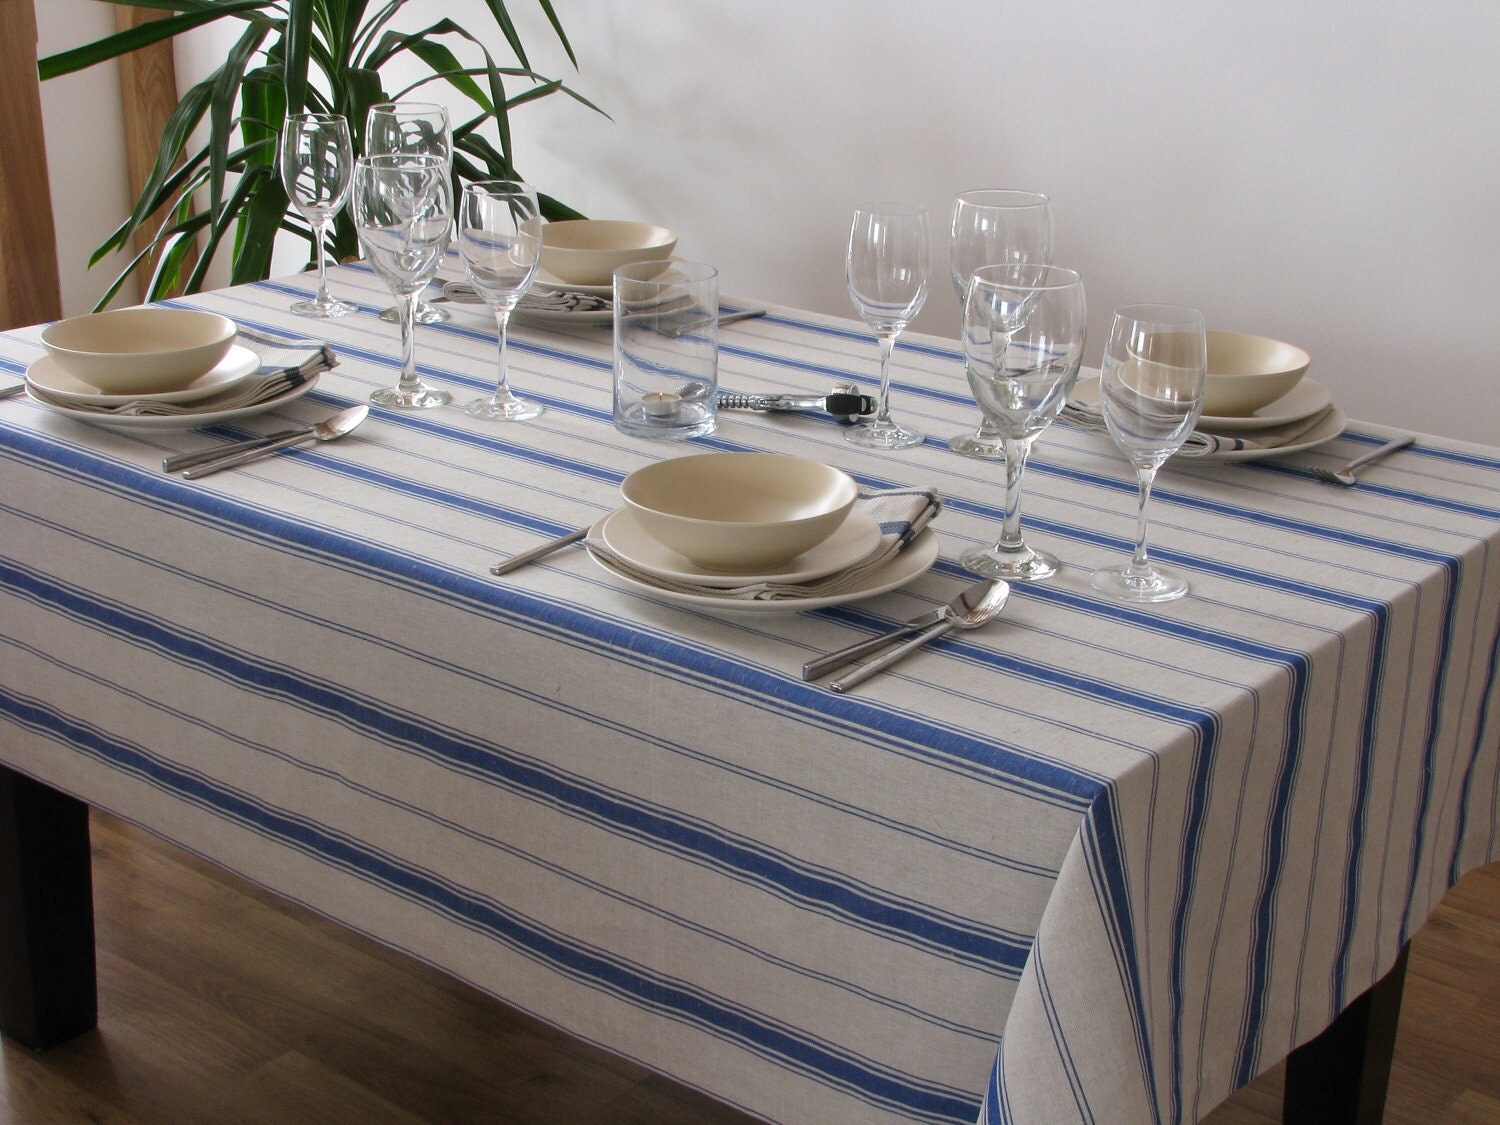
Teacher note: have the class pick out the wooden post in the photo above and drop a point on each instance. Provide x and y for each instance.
(29, 292)
(148, 95)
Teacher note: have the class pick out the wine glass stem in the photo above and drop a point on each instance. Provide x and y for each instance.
(502, 323)
(1139, 562)
(408, 308)
(320, 234)
(1016, 452)
(887, 342)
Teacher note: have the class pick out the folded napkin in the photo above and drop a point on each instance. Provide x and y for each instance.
(284, 364)
(902, 513)
(552, 300)
(1201, 442)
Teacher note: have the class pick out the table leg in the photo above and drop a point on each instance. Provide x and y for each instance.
(1340, 1077)
(47, 983)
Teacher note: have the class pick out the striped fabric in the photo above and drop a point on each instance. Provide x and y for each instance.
(1090, 863)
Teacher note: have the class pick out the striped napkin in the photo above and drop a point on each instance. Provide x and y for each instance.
(1201, 442)
(284, 365)
(552, 300)
(902, 513)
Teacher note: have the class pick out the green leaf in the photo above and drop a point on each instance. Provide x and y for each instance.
(298, 38)
(142, 35)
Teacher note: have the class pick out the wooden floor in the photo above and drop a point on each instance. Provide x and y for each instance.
(220, 1003)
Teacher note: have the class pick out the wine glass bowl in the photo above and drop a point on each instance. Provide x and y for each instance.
(995, 226)
(409, 128)
(500, 243)
(317, 168)
(886, 268)
(1151, 385)
(403, 213)
(1023, 336)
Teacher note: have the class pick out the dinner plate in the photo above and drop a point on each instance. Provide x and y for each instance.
(1303, 401)
(909, 565)
(170, 422)
(1326, 430)
(857, 538)
(46, 374)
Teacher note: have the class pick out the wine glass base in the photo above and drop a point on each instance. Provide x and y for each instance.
(972, 445)
(323, 310)
(882, 435)
(503, 408)
(1024, 565)
(426, 314)
(422, 397)
(1130, 584)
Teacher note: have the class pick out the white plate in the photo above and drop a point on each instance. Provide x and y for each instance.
(1303, 401)
(909, 565)
(545, 280)
(857, 538)
(47, 374)
(1326, 430)
(479, 316)
(165, 423)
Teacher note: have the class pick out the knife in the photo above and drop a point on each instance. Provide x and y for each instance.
(202, 456)
(330, 429)
(515, 562)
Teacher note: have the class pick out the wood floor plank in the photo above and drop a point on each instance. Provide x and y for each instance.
(221, 1002)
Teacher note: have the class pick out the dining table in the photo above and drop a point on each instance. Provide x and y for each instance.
(1091, 862)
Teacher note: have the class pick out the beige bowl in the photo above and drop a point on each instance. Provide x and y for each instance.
(139, 351)
(739, 512)
(586, 251)
(1248, 372)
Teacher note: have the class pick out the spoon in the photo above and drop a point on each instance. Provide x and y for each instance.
(977, 605)
(330, 429)
(1345, 476)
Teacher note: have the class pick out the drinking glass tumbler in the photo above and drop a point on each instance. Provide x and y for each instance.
(666, 375)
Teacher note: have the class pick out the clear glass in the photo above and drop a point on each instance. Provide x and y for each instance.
(1023, 336)
(887, 268)
(666, 354)
(317, 167)
(993, 227)
(1151, 394)
(500, 242)
(410, 129)
(404, 215)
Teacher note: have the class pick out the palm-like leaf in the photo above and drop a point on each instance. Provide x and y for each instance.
(290, 56)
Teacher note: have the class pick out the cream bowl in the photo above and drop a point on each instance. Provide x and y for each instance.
(147, 350)
(739, 512)
(586, 251)
(1246, 373)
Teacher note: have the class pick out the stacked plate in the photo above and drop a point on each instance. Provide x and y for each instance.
(812, 538)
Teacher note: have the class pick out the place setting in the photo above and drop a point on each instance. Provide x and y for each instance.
(160, 368)
(757, 533)
(1258, 402)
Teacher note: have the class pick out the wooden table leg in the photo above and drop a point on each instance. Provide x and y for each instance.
(47, 984)
(1340, 1077)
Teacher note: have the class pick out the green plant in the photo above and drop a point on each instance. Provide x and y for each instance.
(295, 55)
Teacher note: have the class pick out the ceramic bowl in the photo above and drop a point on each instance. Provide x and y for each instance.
(1248, 372)
(586, 251)
(137, 351)
(739, 512)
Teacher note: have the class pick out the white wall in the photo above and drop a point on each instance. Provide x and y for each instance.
(1326, 173)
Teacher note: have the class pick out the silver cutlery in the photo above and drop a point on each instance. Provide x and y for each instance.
(515, 562)
(969, 596)
(839, 404)
(179, 461)
(979, 604)
(330, 429)
(1345, 476)
(11, 392)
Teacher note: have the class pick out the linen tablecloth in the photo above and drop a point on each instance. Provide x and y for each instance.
(1089, 863)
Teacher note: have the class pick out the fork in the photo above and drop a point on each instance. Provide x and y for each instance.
(1345, 476)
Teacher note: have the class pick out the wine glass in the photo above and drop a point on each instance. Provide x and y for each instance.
(317, 165)
(404, 214)
(991, 227)
(886, 269)
(1023, 337)
(1151, 393)
(500, 241)
(410, 129)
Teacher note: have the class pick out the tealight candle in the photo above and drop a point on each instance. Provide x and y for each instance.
(661, 406)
